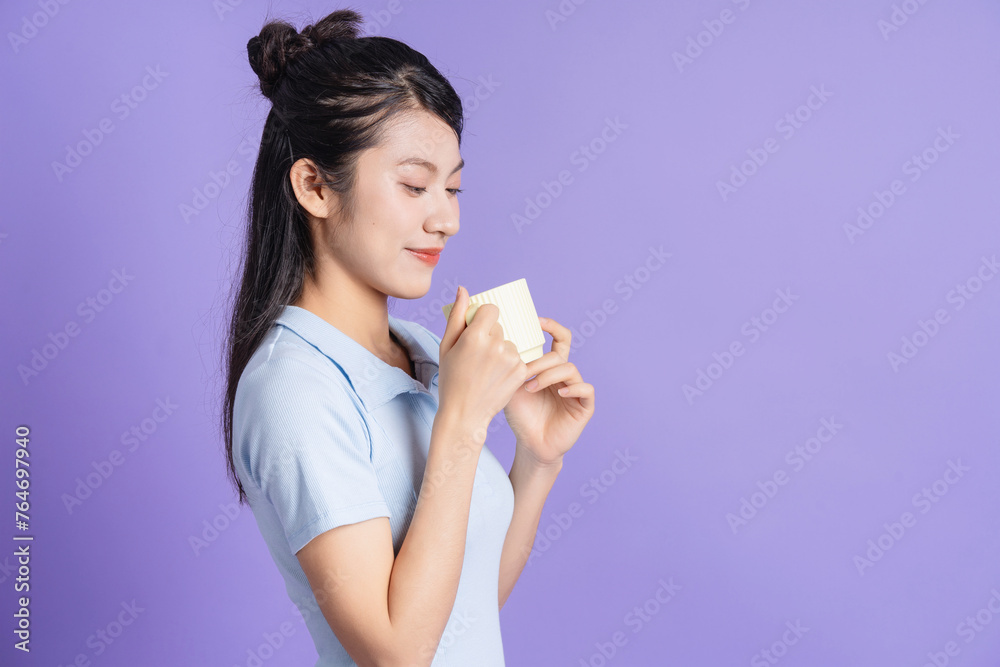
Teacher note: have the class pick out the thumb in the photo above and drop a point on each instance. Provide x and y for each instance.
(456, 320)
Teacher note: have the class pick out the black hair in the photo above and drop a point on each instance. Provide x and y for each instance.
(331, 94)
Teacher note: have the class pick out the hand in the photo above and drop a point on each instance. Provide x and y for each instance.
(545, 422)
(479, 370)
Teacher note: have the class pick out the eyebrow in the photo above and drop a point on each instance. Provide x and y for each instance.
(429, 166)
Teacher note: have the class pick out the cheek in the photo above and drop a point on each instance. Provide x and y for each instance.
(391, 205)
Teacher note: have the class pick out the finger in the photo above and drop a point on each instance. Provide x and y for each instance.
(547, 360)
(456, 320)
(581, 390)
(564, 372)
(561, 336)
(486, 315)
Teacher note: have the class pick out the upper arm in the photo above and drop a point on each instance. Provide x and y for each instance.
(307, 448)
(348, 569)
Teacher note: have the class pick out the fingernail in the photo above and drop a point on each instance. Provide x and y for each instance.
(531, 385)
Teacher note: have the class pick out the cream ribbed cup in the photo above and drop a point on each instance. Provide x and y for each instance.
(517, 316)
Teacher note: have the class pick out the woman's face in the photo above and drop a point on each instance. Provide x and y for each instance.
(405, 200)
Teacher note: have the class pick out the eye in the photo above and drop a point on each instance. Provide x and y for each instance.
(418, 190)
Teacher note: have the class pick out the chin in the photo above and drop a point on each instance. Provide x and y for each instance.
(412, 290)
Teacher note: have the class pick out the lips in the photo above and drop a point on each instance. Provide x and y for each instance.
(429, 256)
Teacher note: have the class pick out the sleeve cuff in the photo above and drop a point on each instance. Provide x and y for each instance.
(340, 517)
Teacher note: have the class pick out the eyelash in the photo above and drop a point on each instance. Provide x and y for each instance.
(456, 191)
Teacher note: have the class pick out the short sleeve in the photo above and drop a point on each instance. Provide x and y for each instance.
(306, 447)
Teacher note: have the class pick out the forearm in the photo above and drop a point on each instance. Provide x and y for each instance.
(531, 482)
(426, 571)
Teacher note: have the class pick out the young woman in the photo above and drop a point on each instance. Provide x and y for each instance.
(358, 439)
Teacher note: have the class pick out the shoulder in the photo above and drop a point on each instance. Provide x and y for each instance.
(293, 408)
(286, 379)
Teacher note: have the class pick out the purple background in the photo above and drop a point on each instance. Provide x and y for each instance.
(537, 93)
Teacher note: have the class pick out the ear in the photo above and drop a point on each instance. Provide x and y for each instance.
(308, 188)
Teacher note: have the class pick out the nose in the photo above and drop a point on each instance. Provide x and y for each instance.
(444, 217)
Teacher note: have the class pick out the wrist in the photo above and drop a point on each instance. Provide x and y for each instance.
(527, 460)
(460, 429)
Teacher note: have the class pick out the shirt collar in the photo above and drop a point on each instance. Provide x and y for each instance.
(375, 381)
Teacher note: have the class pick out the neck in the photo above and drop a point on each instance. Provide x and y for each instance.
(357, 310)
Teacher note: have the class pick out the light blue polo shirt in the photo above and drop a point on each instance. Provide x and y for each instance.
(325, 434)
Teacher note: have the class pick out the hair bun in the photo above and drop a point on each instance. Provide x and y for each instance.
(279, 43)
(342, 24)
